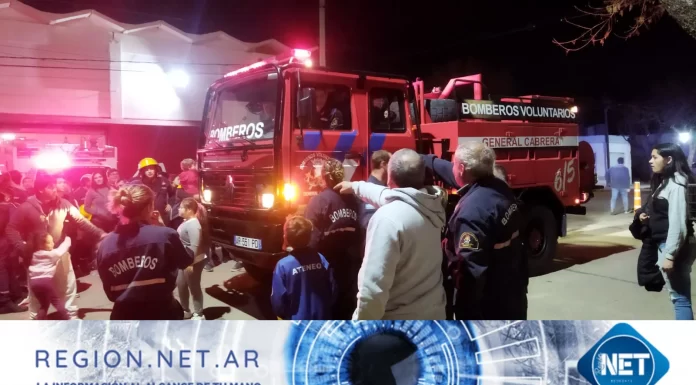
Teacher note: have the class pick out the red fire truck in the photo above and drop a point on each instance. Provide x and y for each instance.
(269, 127)
(71, 155)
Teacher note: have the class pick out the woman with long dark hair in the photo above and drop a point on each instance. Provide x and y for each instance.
(195, 235)
(96, 203)
(671, 225)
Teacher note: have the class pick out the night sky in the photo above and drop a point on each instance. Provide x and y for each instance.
(510, 44)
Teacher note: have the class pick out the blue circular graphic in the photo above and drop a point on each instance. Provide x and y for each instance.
(320, 352)
(625, 360)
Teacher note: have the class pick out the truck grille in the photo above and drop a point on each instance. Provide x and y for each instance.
(236, 189)
(237, 178)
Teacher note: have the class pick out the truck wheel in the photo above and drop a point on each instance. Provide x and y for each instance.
(540, 237)
(259, 274)
(442, 110)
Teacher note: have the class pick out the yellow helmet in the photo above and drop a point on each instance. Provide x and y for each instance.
(85, 213)
(145, 162)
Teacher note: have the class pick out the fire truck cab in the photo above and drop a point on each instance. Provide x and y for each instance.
(269, 127)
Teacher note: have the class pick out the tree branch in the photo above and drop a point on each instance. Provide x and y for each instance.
(603, 22)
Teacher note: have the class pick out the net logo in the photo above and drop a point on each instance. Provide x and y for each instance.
(623, 357)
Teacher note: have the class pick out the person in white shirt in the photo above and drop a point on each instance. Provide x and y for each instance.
(41, 272)
(195, 236)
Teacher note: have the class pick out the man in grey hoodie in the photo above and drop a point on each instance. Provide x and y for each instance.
(401, 277)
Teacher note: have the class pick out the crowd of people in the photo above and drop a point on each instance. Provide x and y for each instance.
(129, 221)
(379, 249)
(413, 263)
(384, 249)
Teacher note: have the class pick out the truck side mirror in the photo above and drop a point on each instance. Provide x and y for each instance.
(306, 107)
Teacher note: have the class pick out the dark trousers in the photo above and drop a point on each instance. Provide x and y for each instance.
(168, 309)
(213, 258)
(45, 293)
(512, 307)
(82, 256)
(9, 277)
(346, 276)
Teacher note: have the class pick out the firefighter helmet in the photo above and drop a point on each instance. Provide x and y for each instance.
(145, 162)
(85, 213)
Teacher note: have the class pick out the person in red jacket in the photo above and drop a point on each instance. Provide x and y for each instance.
(188, 179)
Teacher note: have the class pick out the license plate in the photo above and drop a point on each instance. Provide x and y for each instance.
(247, 243)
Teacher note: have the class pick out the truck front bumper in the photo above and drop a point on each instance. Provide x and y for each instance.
(576, 210)
(224, 230)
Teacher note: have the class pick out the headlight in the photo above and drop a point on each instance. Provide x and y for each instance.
(290, 192)
(207, 196)
(267, 200)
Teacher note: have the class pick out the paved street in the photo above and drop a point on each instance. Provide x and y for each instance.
(594, 277)
(595, 273)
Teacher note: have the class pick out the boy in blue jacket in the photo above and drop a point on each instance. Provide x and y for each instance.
(303, 283)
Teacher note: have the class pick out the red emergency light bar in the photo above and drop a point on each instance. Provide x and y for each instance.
(302, 55)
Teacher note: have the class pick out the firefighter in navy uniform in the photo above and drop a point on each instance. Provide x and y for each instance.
(138, 262)
(336, 235)
(482, 242)
(149, 174)
(327, 117)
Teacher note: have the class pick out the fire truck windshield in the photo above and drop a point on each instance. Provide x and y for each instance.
(243, 113)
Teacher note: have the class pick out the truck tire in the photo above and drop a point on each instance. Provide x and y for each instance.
(540, 238)
(442, 110)
(259, 274)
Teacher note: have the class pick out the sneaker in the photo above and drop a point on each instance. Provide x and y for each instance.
(237, 266)
(197, 317)
(25, 302)
(208, 268)
(187, 314)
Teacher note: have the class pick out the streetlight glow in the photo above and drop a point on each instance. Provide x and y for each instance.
(179, 78)
(685, 137)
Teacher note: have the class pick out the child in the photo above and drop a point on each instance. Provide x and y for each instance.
(195, 235)
(303, 284)
(188, 179)
(41, 271)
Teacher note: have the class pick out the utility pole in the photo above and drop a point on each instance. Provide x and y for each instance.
(322, 33)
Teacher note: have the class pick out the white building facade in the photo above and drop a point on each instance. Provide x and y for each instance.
(619, 147)
(143, 86)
